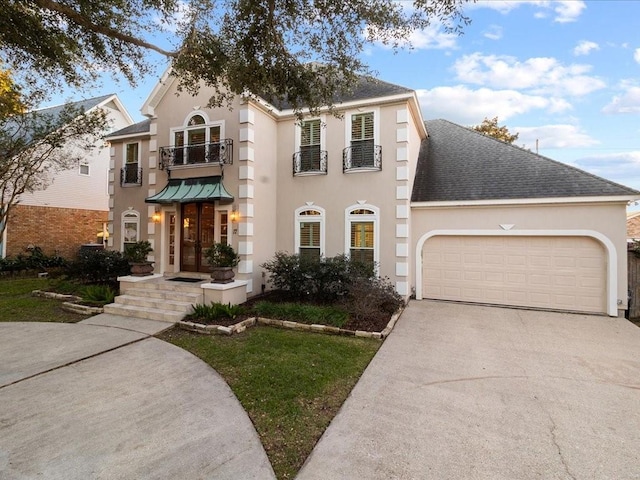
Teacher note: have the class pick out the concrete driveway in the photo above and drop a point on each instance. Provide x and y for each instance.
(471, 392)
(102, 399)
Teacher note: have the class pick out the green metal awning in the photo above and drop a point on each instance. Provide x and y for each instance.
(188, 190)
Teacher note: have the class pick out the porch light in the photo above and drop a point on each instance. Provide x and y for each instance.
(234, 216)
(155, 218)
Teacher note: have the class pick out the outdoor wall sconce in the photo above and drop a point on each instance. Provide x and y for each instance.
(234, 216)
(156, 217)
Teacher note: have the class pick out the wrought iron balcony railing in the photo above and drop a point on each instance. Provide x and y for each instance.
(362, 155)
(220, 153)
(310, 160)
(130, 174)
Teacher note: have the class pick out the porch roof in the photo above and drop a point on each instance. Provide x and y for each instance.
(188, 190)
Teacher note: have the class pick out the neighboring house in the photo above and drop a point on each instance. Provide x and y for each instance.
(633, 226)
(73, 209)
(444, 211)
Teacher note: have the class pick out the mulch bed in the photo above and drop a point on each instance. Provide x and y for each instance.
(375, 323)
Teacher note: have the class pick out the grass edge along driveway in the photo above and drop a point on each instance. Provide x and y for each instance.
(290, 383)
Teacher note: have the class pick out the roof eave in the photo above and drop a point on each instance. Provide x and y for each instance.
(526, 201)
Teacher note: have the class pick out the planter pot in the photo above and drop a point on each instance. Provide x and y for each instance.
(222, 274)
(141, 269)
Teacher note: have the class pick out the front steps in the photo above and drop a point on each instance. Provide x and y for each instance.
(155, 298)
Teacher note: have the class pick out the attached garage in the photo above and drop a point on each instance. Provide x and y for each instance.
(496, 224)
(560, 273)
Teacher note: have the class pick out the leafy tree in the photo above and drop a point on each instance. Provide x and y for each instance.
(298, 52)
(36, 145)
(10, 98)
(492, 129)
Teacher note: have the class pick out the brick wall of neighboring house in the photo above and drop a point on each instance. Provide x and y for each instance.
(633, 227)
(55, 230)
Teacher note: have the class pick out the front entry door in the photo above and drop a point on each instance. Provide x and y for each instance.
(197, 235)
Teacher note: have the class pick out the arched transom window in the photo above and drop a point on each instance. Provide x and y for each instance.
(309, 232)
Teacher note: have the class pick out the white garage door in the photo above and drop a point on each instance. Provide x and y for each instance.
(561, 273)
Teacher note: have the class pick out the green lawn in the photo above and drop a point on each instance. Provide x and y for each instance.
(290, 383)
(18, 305)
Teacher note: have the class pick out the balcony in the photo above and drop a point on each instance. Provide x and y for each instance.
(310, 161)
(362, 155)
(216, 153)
(131, 175)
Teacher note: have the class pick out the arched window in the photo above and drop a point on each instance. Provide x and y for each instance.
(200, 138)
(309, 232)
(130, 228)
(362, 229)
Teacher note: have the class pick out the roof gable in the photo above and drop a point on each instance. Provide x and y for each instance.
(457, 163)
(136, 129)
(366, 88)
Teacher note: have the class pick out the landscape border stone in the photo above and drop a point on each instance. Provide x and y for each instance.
(242, 326)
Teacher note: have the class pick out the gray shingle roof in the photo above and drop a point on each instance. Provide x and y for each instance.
(83, 105)
(140, 127)
(367, 87)
(47, 118)
(457, 163)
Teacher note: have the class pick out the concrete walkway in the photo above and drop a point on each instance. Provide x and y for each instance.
(102, 399)
(471, 392)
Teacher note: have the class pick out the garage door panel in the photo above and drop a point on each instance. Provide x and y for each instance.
(565, 273)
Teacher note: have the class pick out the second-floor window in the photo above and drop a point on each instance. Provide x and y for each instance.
(131, 169)
(201, 142)
(310, 158)
(362, 140)
(362, 152)
(310, 145)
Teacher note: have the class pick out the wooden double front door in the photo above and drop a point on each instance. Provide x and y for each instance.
(198, 233)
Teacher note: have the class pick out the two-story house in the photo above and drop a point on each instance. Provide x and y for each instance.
(73, 209)
(444, 212)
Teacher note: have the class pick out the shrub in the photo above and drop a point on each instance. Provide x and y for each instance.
(36, 260)
(98, 266)
(215, 311)
(221, 255)
(137, 252)
(325, 280)
(101, 294)
(368, 297)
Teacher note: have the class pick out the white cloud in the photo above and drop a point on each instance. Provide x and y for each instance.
(431, 38)
(554, 136)
(623, 167)
(636, 55)
(567, 10)
(564, 11)
(542, 75)
(627, 102)
(468, 107)
(585, 47)
(494, 32)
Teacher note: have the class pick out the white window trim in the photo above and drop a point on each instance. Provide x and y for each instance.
(129, 216)
(308, 219)
(375, 218)
(82, 164)
(376, 124)
(207, 124)
(323, 132)
(323, 140)
(124, 153)
(230, 226)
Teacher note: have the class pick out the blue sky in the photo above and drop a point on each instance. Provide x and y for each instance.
(564, 73)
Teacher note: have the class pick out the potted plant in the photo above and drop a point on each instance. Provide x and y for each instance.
(222, 258)
(136, 254)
